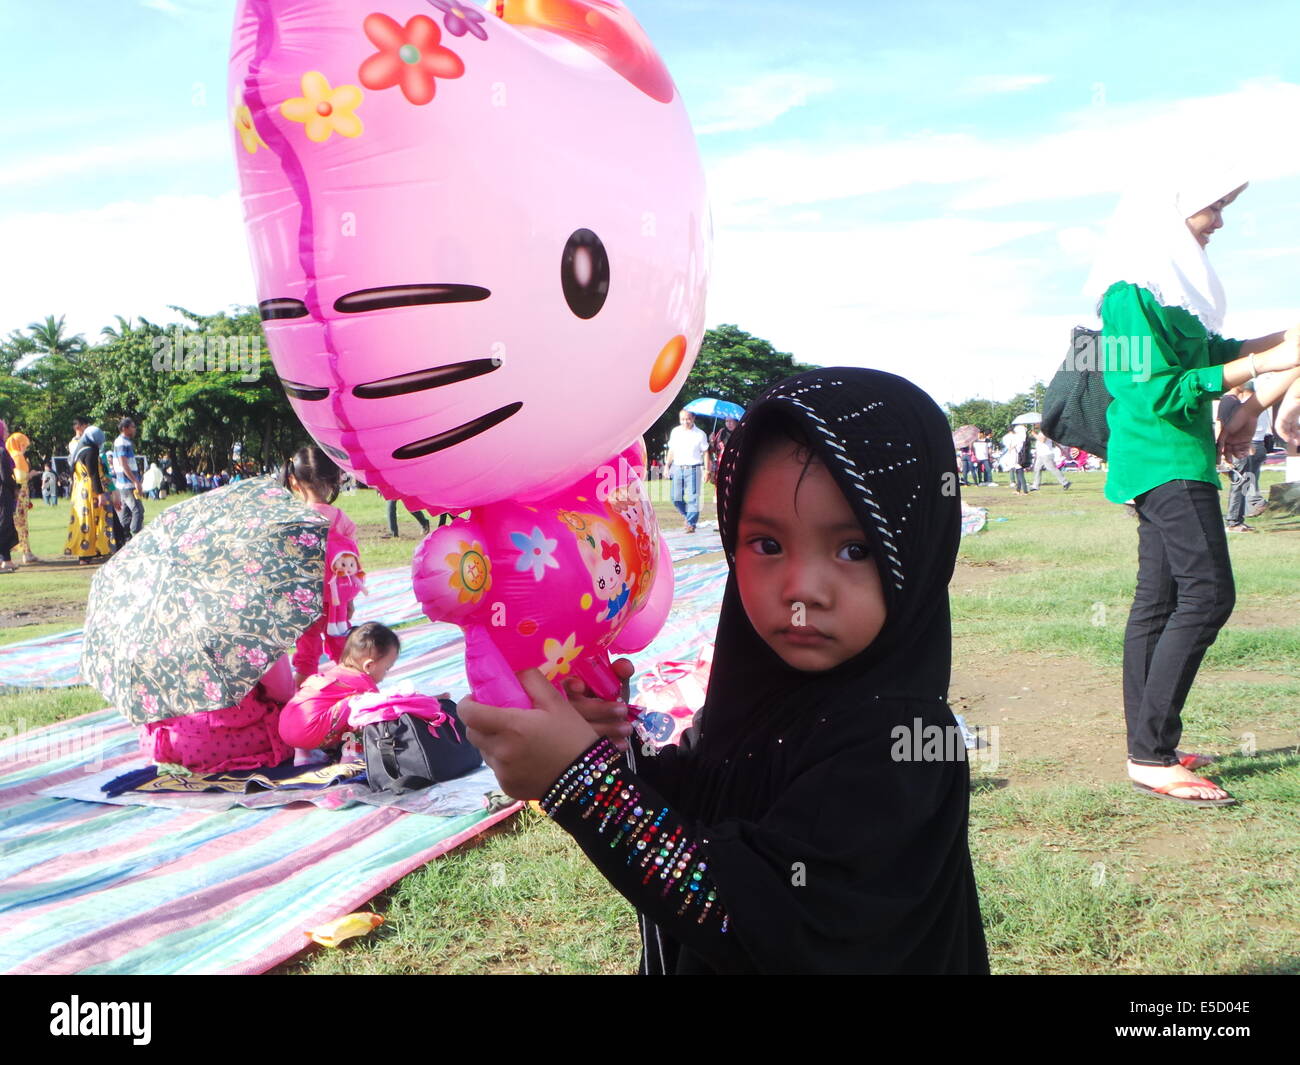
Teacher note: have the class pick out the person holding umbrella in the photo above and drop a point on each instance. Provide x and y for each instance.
(1016, 457)
(718, 443)
(189, 625)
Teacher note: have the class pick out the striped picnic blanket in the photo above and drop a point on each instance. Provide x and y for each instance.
(93, 887)
(89, 888)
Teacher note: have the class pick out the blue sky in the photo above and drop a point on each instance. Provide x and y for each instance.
(915, 186)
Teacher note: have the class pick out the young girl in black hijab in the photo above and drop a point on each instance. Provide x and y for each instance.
(792, 831)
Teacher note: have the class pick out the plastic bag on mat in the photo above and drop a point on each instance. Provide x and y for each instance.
(669, 694)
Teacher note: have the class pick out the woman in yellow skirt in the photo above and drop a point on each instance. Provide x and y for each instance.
(90, 531)
(17, 446)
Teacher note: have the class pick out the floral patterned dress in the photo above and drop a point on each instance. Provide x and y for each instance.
(90, 529)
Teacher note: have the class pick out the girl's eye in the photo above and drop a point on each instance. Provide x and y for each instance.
(758, 543)
(861, 552)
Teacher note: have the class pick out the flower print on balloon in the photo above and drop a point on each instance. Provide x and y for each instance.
(460, 17)
(409, 56)
(323, 110)
(536, 552)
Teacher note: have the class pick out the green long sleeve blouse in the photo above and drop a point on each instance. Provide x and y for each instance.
(1164, 370)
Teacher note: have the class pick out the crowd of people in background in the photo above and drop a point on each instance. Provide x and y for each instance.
(1020, 450)
(105, 484)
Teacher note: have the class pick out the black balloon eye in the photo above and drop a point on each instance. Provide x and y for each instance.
(584, 273)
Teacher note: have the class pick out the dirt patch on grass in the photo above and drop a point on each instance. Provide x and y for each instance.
(1050, 720)
(1261, 617)
(972, 573)
(45, 613)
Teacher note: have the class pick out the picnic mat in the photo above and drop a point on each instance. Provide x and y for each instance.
(227, 882)
(98, 887)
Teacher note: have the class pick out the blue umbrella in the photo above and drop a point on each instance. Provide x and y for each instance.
(715, 408)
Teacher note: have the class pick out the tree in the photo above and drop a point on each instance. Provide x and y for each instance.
(995, 416)
(49, 339)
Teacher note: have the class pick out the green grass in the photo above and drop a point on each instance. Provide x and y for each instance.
(1076, 874)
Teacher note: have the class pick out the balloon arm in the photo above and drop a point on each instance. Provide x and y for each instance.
(599, 675)
(491, 680)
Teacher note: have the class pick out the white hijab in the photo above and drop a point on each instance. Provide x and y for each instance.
(1148, 244)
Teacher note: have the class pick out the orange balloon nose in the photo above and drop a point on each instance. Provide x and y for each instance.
(667, 364)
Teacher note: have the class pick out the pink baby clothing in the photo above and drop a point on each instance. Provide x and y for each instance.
(245, 736)
(339, 522)
(318, 715)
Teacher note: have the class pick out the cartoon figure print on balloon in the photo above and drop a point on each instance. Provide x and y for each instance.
(551, 585)
(461, 221)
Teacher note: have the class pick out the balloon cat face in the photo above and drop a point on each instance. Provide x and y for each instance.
(480, 240)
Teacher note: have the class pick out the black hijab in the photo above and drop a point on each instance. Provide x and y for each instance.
(831, 853)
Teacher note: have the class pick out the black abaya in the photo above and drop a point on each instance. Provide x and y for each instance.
(827, 850)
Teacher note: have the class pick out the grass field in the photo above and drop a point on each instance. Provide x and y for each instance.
(1078, 873)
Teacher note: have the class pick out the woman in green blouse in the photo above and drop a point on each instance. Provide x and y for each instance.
(1161, 306)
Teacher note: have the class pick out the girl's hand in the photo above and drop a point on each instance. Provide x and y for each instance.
(528, 749)
(609, 719)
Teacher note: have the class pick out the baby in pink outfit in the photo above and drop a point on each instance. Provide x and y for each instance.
(317, 716)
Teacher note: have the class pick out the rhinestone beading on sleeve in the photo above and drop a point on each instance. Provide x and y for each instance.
(655, 845)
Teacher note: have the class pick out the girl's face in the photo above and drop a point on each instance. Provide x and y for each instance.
(1208, 219)
(806, 577)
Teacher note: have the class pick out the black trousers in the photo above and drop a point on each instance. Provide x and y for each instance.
(1185, 594)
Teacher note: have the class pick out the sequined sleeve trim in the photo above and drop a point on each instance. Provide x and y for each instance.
(653, 858)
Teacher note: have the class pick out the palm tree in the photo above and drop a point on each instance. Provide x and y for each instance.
(49, 339)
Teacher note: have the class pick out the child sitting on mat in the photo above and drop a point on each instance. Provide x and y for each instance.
(317, 716)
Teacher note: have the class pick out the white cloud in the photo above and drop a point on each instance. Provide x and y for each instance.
(942, 301)
(1100, 152)
(131, 259)
(1110, 146)
(205, 143)
(759, 102)
(166, 6)
(987, 84)
(747, 186)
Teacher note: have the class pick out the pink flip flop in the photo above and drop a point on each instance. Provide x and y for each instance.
(1163, 792)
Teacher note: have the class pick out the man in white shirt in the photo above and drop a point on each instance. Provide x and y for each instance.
(688, 454)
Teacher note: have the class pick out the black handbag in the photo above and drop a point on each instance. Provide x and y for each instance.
(410, 753)
(1074, 406)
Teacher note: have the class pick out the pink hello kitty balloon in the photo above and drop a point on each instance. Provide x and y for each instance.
(551, 584)
(480, 236)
